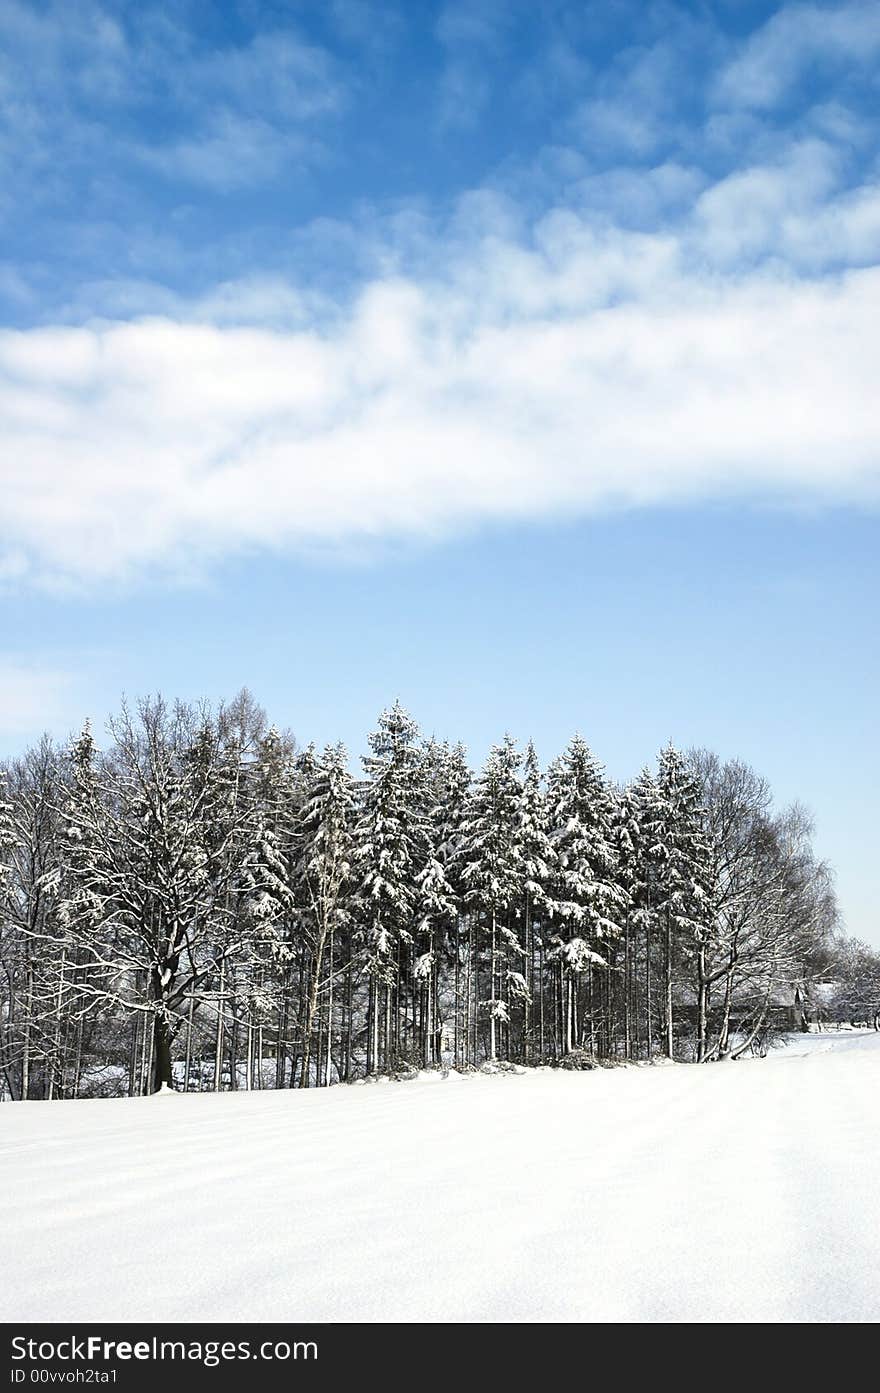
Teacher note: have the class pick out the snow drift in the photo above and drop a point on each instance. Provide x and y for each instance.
(732, 1192)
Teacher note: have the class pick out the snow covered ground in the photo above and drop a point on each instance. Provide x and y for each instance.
(746, 1191)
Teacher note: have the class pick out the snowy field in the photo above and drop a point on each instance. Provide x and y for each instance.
(746, 1191)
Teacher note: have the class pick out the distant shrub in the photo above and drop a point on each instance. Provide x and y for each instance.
(578, 1059)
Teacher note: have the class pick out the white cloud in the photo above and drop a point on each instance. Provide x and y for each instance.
(795, 38)
(276, 75)
(794, 211)
(72, 78)
(561, 368)
(480, 22)
(469, 31)
(462, 95)
(250, 108)
(641, 197)
(229, 152)
(617, 126)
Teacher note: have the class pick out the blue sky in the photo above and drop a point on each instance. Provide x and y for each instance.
(518, 360)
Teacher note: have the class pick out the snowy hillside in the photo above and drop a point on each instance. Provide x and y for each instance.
(746, 1191)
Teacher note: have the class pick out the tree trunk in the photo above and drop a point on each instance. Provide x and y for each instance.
(670, 1041)
(627, 1027)
(327, 1062)
(218, 1043)
(57, 1070)
(741, 1049)
(349, 1010)
(702, 1004)
(142, 1073)
(724, 1036)
(161, 1052)
(77, 1063)
(26, 1052)
(189, 1032)
(648, 1023)
(492, 992)
(472, 993)
(541, 1033)
(233, 1033)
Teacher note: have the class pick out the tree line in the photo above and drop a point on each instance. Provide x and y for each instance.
(204, 904)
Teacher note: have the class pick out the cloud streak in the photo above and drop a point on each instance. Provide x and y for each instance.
(794, 40)
(680, 307)
(566, 370)
(83, 92)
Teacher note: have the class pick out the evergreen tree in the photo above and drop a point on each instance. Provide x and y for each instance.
(326, 825)
(438, 905)
(644, 831)
(492, 877)
(201, 897)
(278, 795)
(589, 904)
(390, 856)
(264, 890)
(449, 784)
(626, 839)
(538, 858)
(679, 851)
